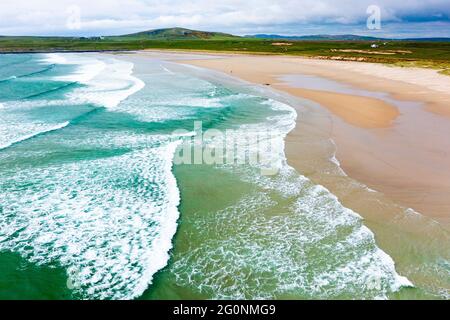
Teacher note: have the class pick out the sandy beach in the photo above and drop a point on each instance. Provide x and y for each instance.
(390, 125)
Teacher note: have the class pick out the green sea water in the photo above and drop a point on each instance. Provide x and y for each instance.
(93, 207)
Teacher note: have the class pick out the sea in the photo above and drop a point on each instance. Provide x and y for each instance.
(95, 202)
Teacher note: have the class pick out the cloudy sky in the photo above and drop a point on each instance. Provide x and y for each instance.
(399, 18)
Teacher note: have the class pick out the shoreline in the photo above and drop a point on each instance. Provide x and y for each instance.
(375, 135)
(415, 242)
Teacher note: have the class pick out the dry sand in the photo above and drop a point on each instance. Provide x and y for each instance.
(393, 146)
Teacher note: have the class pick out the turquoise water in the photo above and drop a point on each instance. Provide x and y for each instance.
(93, 207)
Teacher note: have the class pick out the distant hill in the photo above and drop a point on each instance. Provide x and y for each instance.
(178, 34)
(429, 39)
(319, 37)
(345, 37)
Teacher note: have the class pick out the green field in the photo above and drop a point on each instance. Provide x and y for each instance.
(403, 53)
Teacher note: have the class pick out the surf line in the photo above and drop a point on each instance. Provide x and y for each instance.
(33, 135)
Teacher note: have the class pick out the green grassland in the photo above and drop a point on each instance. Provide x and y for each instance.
(402, 53)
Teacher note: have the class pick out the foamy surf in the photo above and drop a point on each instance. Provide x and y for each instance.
(318, 248)
(351, 264)
(43, 128)
(294, 243)
(111, 241)
(106, 81)
(102, 201)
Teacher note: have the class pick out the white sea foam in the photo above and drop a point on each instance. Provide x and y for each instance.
(10, 135)
(111, 238)
(271, 137)
(87, 68)
(112, 86)
(167, 70)
(107, 81)
(177, 97)
(52, 58)
(318, 248)
(335, 160)
(110, 222)
(313, 249)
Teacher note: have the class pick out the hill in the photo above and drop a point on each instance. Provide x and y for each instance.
(177, 34)
(429, 39)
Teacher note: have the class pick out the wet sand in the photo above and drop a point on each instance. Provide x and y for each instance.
(391, 125)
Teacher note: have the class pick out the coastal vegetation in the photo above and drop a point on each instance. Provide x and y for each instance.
(430, 54)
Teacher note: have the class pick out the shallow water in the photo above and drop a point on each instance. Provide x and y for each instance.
(91, 201)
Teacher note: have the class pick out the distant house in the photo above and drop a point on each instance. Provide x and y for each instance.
(374, 45)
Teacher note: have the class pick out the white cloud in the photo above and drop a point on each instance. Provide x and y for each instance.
(238, 16)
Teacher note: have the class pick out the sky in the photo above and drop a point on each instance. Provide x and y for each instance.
(387, 18)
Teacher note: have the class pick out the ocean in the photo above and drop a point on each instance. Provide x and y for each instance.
(96, 204)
